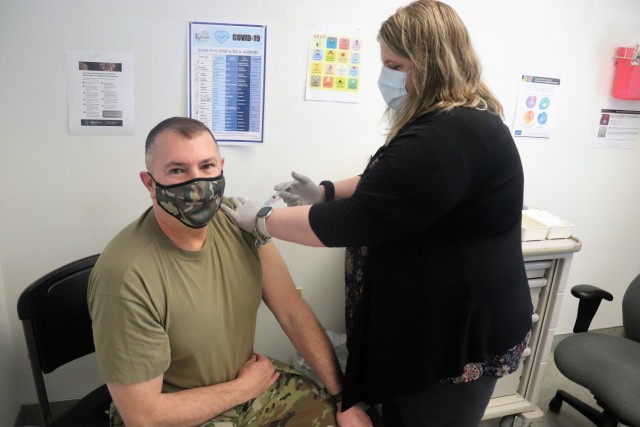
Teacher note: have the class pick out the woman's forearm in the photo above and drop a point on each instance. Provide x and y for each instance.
(345, 187)
(292, 224)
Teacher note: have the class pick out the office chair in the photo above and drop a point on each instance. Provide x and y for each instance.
(57, 329)
(607, 365)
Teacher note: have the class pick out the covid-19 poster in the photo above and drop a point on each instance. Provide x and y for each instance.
(226, 79)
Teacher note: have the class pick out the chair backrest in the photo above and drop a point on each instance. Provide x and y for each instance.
(55, 315)
(631, 310)
(57, 328)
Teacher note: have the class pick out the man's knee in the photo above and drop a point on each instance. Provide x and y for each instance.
(294, 400)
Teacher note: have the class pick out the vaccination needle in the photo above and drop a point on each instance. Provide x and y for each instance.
(276, 196)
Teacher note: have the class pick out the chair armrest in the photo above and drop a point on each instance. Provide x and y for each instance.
(590, 297)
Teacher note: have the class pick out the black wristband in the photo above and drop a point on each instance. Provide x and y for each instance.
(336, 398)
(329, 191)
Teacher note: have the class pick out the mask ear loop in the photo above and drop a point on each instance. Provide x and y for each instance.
(155, 183)
(152, 178)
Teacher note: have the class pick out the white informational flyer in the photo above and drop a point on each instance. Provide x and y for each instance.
(334, 66)
(226, 79)
(537, 103)
(100, 93)
(618, 129)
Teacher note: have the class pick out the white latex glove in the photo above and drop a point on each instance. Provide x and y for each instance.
(243, 213)
(301, 191)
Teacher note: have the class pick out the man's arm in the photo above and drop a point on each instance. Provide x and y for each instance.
(144, 404)
(303, 329)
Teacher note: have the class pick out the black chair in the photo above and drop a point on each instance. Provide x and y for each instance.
(57, 328)
(607, 365)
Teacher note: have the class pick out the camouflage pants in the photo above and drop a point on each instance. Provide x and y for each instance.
(293, 401)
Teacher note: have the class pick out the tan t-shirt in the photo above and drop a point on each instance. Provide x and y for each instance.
(157, 309)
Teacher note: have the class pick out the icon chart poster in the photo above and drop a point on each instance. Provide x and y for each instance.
(334, 69)
(226, 79)
(537, 104)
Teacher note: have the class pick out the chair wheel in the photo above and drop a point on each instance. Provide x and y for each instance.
(507, 421)
(555, 404)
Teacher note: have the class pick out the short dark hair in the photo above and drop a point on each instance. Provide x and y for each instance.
(184, 126)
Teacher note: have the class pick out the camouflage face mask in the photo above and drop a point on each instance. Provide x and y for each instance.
(194, 202)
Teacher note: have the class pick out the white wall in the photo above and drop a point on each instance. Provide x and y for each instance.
(7, 361)
(65, 196)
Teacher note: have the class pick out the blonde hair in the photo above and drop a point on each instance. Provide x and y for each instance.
(445, 70)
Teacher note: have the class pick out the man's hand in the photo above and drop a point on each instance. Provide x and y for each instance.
(243, 213)
(301, 191)
(144, 404)
(353, 417)
(257, 375)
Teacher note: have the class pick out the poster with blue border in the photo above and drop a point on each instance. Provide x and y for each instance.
(226, 77)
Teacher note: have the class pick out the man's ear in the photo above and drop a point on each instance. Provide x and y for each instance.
(147, 181)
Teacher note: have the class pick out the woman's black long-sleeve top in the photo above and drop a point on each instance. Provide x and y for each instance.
(439, 210)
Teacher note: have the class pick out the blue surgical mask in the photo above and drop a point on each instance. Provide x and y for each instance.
(392, 87)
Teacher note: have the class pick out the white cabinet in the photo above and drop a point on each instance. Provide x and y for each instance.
(547, 263)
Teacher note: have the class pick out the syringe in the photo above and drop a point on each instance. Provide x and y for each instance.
(273, 199)
(276, 196)
(284, 187)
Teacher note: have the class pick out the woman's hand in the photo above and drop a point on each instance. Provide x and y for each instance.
(243, 213)
(301, 191)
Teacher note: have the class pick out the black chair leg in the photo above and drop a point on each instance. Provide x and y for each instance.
(609, 419)
(591, 413)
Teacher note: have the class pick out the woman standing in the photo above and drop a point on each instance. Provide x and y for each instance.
(438, 305)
